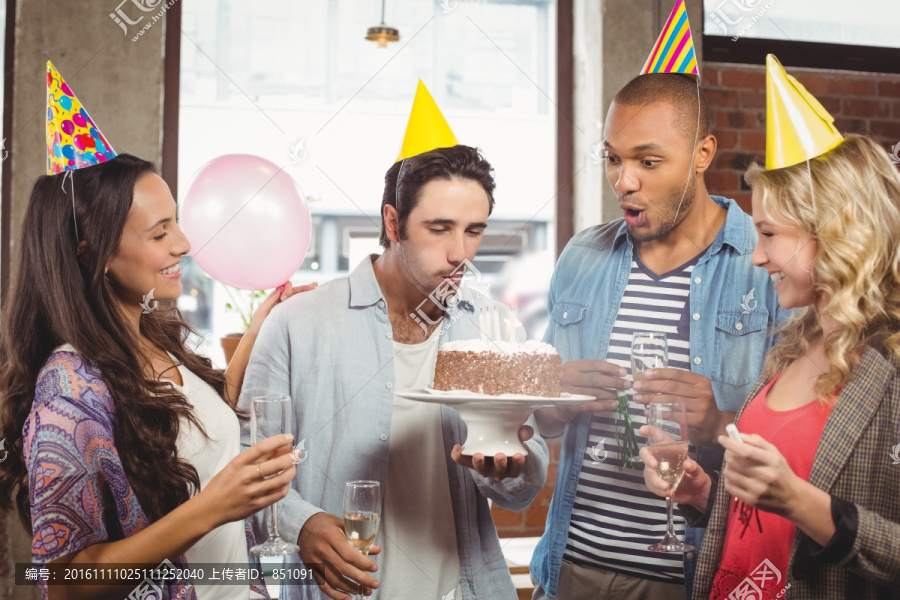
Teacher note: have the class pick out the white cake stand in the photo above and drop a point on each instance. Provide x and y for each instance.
(493, 422)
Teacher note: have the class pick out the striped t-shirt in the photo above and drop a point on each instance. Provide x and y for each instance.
(615, 517)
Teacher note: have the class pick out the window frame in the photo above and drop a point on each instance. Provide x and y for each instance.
(6, 166)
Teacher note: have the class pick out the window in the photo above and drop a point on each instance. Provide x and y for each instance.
(807, 33)
(297, 83)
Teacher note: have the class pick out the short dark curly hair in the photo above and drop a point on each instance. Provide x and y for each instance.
(456, 162)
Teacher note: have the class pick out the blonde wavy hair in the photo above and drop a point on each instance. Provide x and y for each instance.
(854, 213)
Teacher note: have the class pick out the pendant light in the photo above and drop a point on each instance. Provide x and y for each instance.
(382, 34)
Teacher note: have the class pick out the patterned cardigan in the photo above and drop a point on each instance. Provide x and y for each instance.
(79, 493)
(853, 463)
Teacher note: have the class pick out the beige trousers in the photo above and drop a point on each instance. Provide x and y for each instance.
(588, 583)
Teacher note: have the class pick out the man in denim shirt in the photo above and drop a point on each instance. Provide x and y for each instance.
(341, 351)
(679, 262)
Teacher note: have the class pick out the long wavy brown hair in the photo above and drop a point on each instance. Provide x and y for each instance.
(59, 297)
(851, 205)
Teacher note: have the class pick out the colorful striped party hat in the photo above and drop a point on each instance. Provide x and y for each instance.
(674, 50)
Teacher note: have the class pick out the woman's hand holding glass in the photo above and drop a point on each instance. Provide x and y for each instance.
(695, 485)
(238, 490)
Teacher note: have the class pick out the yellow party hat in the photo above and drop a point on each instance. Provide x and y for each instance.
(427, 128)
(73, 139)
(674, 49)
(798, 127)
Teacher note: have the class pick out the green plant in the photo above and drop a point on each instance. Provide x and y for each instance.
(244, 303)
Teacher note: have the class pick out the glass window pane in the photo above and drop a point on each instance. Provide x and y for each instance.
(864, 23)
(298, 83)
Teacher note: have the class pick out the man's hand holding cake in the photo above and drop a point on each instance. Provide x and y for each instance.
(499, 466)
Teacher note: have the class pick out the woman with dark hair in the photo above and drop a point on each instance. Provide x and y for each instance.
(124, 444)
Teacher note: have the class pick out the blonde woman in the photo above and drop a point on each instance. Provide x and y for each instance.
(807, 505)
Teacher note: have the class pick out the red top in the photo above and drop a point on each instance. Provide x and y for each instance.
(758, 543)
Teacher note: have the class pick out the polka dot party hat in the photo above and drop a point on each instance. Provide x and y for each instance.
(73, 139)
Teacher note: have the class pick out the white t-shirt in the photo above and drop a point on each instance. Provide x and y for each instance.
(418, 539)
(227, 543)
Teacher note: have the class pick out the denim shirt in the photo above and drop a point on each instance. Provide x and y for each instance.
(733, 309)
(331, 350)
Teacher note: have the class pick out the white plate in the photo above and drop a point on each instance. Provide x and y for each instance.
(453, 397)
(492, 422)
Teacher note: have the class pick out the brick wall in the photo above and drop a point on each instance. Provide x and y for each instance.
(530, 521)
(860, 103)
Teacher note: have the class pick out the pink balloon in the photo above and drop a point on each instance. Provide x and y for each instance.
(247, 222)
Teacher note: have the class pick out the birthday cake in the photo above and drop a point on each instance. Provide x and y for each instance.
(493, 367)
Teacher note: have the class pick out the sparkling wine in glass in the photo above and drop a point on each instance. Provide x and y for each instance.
(362, 515)
(668, 443)
(649, 350)
(269, 416)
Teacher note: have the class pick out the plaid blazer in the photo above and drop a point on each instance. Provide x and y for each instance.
(853, 462)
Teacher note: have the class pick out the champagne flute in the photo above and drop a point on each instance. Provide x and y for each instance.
(649, 350)
(271, 415)
(668, 443)
(362, 514)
